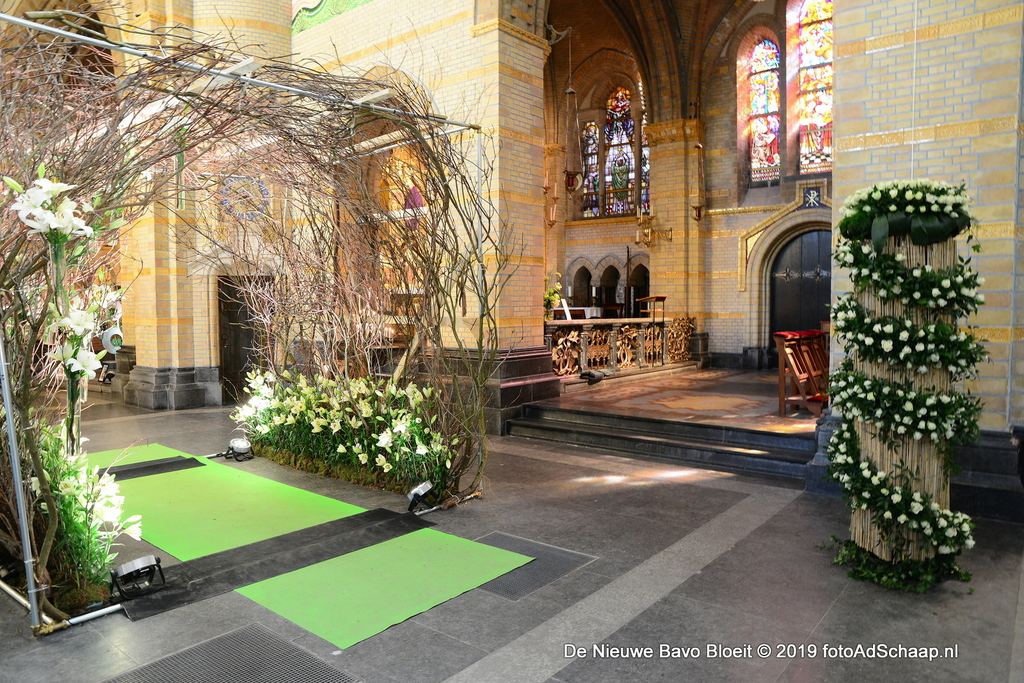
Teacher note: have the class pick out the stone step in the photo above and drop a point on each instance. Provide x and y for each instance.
(718, 455)
(712, 433)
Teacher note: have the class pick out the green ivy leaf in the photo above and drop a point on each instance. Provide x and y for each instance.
(41, 170)
(880, 231)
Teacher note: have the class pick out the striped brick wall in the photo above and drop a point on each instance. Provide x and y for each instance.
(932, 88)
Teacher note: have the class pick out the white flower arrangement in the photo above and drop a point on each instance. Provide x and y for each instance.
(894, 505)
(900, 342)
(387, 429)
(42, 209)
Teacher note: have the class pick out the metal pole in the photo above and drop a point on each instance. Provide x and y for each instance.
(19, 487)
(482, 285)
(102, 612)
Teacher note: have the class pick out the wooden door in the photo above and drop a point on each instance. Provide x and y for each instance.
(237, 339)
(801, 284)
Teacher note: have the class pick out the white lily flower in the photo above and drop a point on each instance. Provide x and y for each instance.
(80, 321)
(85, 361)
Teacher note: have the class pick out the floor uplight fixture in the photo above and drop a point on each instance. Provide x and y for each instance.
(417, 494)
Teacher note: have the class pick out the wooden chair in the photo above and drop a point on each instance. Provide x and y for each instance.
(803, 370)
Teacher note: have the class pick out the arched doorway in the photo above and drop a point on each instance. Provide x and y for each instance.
(581, 287)
(609, 289)
(639, 287)
(800, 280)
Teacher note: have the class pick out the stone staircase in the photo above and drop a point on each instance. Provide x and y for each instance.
(701, 445)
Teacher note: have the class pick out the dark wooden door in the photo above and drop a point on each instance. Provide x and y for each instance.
(801, 279)
(237, 339)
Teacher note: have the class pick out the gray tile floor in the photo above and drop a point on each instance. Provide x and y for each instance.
(685, 558)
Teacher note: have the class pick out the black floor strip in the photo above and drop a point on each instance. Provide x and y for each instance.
(253, 654)
(550, 564)
(144, 469)
(222, 572)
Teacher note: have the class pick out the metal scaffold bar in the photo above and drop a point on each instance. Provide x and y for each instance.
(230, 75)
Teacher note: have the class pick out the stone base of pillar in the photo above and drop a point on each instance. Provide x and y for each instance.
(125, 362)
(990, 481)
(173, 388)
(699, 349)
(818, 479)
(754, 358)
(524, 376)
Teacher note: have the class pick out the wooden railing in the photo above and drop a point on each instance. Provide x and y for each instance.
(608, 344)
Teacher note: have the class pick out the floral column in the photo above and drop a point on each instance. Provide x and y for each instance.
(897, 388)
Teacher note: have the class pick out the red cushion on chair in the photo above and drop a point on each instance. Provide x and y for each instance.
(817, 398)
(801, 334)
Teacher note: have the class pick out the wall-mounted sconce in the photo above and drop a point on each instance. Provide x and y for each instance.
(647, 234)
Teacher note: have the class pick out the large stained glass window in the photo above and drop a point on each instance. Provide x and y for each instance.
(591, 147)
(814, 45)
(620, 157)
(616, 160)
(763, 116)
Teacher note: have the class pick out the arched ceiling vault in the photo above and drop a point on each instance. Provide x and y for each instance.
(675, 42)
(652, 33)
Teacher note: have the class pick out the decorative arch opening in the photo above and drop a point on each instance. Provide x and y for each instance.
(639, 287)
(581, 283)
(608, 296)
(762, 253)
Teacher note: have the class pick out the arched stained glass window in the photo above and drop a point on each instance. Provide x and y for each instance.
(620, 157)
(616, 161)
(814, 51)
(763, 114)
(591, 147)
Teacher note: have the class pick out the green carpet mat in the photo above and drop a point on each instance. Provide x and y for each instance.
(204, 510)
(131, 456)
(200, 511)
(349, 598)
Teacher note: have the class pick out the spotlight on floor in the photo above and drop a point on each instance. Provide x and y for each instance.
(417, 494)
(239, 449)
(137, 577)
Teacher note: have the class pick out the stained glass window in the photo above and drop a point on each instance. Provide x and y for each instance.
(763, 115)
(620, 157)
(814, 106)
(645, 168)
(591, 146)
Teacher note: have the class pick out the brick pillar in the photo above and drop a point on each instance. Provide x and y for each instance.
(261, 28)
(677, 266)
(514, 62)
(976, 140)
(166, 309)
(167, 319)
